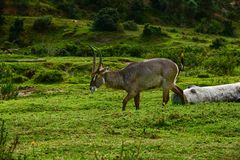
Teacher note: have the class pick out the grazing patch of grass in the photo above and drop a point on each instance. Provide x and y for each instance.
(66, 121)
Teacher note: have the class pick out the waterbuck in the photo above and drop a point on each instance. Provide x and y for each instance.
(138, 76)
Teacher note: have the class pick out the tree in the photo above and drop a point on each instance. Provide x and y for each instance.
(107, 19)
(15, 30)
(1, 12)
(136, 11)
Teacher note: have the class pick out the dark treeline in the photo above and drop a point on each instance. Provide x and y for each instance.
(178, 12)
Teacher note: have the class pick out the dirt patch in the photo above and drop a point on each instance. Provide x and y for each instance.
(26, 91)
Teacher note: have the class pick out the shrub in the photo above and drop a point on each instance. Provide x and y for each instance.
(107, 19)
(42, 24)
(221, 65)
(41, 52)
(48, 77)
(209, 27)
(228, 29)
(68, 50)
(2, 20)
(70, 9)
(130, 25)
(150, 31)
(217, 43)
(6, 73)
(136, 11)
(15, 30)
(21, 6)
(19, 79)
(8, 91)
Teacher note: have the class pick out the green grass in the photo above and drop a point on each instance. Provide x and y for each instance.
(66, 121)
(71, 123)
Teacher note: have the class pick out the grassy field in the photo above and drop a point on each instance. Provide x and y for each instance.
(66, 121)
(63, 120)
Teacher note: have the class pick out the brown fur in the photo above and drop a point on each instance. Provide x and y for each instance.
(140, 76)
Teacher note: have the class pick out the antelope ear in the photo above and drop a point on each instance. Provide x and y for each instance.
(101, 68)
(107, 69)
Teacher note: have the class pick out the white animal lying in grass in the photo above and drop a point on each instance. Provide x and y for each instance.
(219, 93)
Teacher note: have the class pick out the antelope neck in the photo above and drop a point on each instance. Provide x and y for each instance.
(113, 79)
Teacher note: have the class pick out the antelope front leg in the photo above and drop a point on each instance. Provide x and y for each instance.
(125, 101)
(165, 97)
(136, 101)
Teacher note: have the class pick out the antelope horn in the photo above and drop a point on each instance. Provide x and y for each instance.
(94, 59)
(100, 57)
(100, 60)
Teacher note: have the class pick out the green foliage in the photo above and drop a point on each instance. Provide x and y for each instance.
(186, 12)
(48, 76)
(97, 126)
(223, 62)
(209, 27)
(151, 31)
(21, 6)
(228, 29)
(41, 52)
(212, 26)
(42, 24)
(80, 50)
(124, 50)
(217, 43)
(2, 20)
(8, 91)
(107, 19)
(6, 150)
(136, 11)
(130, 25)
(70, 8)
(6, 73)
(15, 31)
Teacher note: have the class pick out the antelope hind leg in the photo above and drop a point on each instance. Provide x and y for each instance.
(136, 101)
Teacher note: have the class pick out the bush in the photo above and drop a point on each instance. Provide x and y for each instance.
(150, 31)
(70, 8)
(42, 24)
(130, 25)
(2, 20)
(209, 27)
(221, 65)
(8, 91)
(224, 28)
(136, 11)
(48, 77)
(68, 50)
(107, 19)
(41, 52)
(6, 73)
(228, 29)
(217, 43)
(21, 6)
(15, 30)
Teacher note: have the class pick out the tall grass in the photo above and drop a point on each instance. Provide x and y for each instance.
(7, 150)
